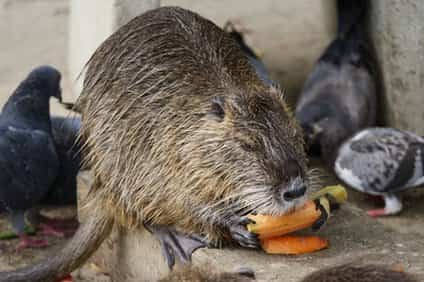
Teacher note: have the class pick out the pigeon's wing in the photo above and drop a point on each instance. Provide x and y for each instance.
(28, 164)
(417, 159)
(65, 134)
(384, 160)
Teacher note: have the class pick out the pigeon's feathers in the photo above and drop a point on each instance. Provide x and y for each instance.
(381, 160)
(29, 165)
(65, 136)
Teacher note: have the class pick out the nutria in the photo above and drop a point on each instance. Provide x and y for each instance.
(359, 273)
(204, 274)
(341, 273)
(180, 132)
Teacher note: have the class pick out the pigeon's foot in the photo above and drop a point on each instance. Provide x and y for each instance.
(57, 227)
(393, 205)
(27, 242)
(377, 213)
(48, 230)
(174, 244)
(68, 223)
(56, 231)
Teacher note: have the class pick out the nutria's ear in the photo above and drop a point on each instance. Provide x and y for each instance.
(217, 110)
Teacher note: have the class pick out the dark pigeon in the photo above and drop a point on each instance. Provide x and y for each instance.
(382, 161)
(29, 163)
(65, 136)
(339, 96)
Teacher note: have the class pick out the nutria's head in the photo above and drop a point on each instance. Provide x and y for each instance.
(246, 155)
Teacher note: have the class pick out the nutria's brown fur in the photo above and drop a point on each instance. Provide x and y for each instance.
(359, 273)
(204, 274)
(341, 273)
(180, 131)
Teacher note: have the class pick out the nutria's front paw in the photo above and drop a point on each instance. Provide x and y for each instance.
(242, 236)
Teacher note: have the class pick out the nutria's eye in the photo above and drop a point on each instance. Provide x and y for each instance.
(217, 108)
(248, 147)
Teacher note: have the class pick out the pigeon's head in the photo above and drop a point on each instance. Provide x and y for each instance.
(313, 120)
(323, 130)
(47, 79)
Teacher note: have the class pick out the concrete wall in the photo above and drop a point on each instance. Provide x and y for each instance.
(93, 21)
(289, 34)
(398, 30)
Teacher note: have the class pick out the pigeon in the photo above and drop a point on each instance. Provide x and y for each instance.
(338, 98)
(65, 136)
(382, 161)
(253, 58)
(63, 191)
(29, 163)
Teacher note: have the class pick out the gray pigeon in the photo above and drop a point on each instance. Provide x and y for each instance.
(382, 161)
(65, 136)
(29, 163)
(339, 96)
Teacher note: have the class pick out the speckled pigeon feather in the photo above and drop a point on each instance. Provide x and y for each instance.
(379, 160)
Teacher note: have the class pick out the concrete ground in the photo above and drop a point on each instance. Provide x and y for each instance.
(34, 32)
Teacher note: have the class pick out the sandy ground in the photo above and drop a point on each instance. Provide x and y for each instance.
(34, 32)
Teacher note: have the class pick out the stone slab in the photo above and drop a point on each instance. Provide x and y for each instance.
(134, 255)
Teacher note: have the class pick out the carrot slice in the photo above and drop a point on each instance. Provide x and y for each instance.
(292, 245)
(271, 226)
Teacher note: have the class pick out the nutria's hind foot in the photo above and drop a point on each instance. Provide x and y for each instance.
(242, 236)
(174, 243)
(27, 242)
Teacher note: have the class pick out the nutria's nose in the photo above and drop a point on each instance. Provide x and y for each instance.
(293, 194)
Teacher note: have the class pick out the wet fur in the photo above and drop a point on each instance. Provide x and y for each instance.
(154, 140)
(341, 273)
(359, 273)
(179, 131)
(203, 274)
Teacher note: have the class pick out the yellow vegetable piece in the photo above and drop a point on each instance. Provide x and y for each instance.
(338, 192)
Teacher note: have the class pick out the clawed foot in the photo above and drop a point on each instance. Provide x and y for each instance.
(48, 230)
(57, 227)
(27, 242)
(242, 236)
(68, 223)
(377, 213)
(175, 244)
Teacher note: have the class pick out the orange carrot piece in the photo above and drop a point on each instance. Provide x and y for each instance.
(292, 245)
(271, 226)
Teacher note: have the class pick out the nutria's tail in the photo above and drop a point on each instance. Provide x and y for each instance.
(85, 241)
